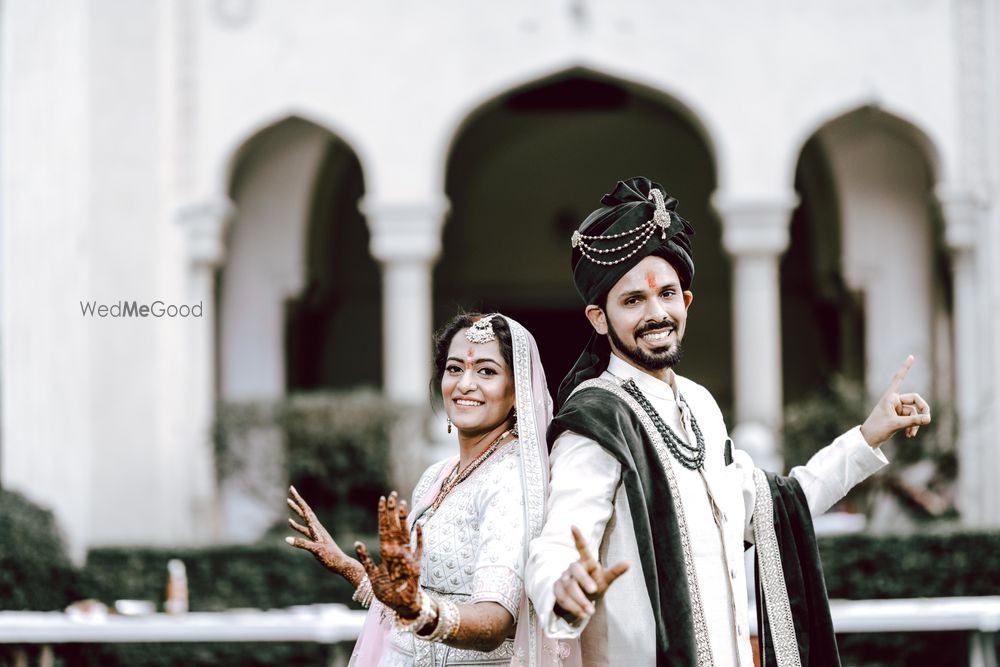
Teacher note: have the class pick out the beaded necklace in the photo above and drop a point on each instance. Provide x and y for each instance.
(455, 477)
(690, 457)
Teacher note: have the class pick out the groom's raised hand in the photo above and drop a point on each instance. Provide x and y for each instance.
(583, 583)
(896, 411)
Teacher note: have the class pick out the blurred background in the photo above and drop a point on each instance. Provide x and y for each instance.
(323, 184)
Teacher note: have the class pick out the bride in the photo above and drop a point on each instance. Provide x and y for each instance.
(449, 587)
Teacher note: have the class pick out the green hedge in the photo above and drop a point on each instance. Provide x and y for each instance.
(225, 577)
(267, 654)
(865, 567)
(35, 572)
(262, 576)
(856, 567)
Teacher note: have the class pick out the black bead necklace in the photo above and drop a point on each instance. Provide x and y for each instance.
(690, 457)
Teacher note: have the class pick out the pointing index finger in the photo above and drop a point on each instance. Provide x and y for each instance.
(581, 546)
(897, 379)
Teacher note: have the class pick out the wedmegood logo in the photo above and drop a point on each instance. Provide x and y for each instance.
(135, 309)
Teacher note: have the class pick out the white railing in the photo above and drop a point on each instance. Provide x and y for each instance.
(322, 624)
(333, 624)
(979, 616)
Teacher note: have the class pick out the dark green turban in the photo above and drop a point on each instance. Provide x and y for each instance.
(638, 219)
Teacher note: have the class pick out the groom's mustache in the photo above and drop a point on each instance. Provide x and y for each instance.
(667, 324)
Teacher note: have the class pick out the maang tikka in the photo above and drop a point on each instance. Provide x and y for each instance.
(481, 330)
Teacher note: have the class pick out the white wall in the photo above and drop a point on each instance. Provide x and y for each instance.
(116, 115)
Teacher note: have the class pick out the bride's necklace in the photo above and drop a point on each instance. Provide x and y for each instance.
(455, 477)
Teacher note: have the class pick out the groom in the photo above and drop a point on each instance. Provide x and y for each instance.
(644, 475)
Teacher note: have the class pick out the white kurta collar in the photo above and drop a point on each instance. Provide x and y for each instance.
(647, 383)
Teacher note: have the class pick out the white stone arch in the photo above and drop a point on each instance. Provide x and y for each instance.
(542, 293)
(920, 298)
(265, 253)
(926, 137)
(224, 160)
(476, 100)
(884, 170)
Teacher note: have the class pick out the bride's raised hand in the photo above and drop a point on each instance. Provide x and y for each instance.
(396, 578)
(319, 542)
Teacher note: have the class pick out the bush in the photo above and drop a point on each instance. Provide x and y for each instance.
(35, 572)
(336, 450)
(338, 454)
(812, 422)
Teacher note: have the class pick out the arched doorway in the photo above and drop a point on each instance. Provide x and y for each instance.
(299, 293)
(822, 319)
(865, 279)
(865, 282)
(299, 305)
(524, 171)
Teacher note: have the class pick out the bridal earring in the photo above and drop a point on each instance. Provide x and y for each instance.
(449, 424)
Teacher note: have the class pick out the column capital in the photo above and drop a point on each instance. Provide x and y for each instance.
(962, 210)
(205, 223)
(755, 225)
(405, 231)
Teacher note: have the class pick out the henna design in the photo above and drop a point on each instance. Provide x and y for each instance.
(396, 579)
(319, 542)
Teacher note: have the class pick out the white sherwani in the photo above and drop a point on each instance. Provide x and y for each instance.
(586, 491)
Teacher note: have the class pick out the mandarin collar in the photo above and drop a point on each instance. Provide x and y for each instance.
(647, 383)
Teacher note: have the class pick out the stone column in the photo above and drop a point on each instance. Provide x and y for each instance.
(204, 225)
(755, 234)
(406, 241)
(977, 460)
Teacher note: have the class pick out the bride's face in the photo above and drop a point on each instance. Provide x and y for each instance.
(477, 385)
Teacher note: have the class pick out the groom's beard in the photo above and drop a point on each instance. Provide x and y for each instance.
(653, 361)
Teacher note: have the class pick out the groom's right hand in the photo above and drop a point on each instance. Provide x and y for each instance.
(583, 583)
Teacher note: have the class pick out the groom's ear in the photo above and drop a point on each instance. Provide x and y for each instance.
(597, 319)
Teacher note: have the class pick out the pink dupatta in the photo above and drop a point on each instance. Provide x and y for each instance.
(534, 412)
